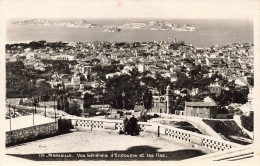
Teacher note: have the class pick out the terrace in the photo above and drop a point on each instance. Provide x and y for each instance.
(99, 139)
(81, 145)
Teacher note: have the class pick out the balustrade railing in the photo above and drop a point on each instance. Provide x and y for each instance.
(210, 143)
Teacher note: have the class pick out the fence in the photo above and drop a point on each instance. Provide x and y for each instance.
(15, 111)
(209, 143)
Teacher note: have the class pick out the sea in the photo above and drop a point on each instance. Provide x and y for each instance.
(210, 32)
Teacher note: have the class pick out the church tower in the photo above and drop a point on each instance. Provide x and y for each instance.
(168, 99)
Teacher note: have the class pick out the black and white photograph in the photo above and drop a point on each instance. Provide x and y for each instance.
(129, 80)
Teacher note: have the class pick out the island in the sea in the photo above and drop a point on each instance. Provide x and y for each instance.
(41, 22)
(34, 22)
(113, 29)
(152, 25)
(160, 25)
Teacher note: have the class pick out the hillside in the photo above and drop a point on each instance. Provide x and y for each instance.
(229, 130)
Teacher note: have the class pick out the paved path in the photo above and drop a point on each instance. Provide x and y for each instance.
(106, 142)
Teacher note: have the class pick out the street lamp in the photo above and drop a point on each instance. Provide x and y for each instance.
(44, 110)
(123, 95)
(34, 111)
(10, 116)
(54, 95)
(35, 102)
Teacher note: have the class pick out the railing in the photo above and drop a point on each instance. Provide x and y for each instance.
(210, 143)
(207, 142)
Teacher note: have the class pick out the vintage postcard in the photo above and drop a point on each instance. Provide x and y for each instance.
(116, 81)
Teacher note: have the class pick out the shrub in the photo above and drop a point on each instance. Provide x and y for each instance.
(248, 121)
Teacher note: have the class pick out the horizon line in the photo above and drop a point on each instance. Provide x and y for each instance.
(147, 18)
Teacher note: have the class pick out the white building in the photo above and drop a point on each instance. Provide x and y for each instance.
(64, 57)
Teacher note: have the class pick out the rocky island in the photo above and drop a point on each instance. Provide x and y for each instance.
(35, 22)
(41, 22)
(160, 25)
(113, 29)
(77, 24)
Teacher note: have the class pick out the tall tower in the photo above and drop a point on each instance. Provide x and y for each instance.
(168, 99)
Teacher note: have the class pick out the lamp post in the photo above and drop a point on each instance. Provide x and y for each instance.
(123, 102)
(33, 117)
(10, 117)
(63, 97)
(34, 110)
(54, 106)
(35, 101)
(45, 110)
(14, 111)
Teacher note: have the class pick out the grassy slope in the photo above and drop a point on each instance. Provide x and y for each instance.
(227, 129)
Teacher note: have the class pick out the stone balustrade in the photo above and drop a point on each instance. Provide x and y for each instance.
(210, 143)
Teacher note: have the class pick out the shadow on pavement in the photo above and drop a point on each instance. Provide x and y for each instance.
(131, 154)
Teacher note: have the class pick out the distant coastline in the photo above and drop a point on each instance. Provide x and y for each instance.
(152, 25)
(209, 33)
(41, 22)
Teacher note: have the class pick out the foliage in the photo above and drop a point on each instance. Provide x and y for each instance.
(88, 100)
(248, 121)
(43, 91)
(74, 108)
(15, 67)
(36, 45)
(130, 85)
(59, 66)
(62, 102)
(148, 100)
(102, 71)
(175, 46)
(21, 83)
(232, 96)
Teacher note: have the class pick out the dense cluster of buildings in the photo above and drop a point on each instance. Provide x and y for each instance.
(233, 62)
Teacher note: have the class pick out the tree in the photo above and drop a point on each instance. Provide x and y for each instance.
(74, 108)
(248, 121)
(240, 95)
(148, 103)
(43, 91)
(16, 68)
(62, 102)
(148, 100)
(88, 100)
(130, 85)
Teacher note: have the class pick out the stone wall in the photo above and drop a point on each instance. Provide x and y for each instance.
(31, 133)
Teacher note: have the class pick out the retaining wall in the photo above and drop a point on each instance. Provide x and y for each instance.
(31, 133)
(198, 123)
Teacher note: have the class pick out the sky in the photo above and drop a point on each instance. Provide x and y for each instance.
(167, 9)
